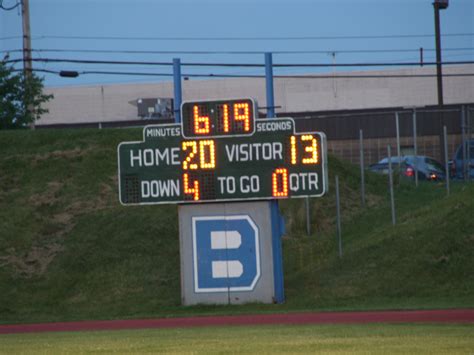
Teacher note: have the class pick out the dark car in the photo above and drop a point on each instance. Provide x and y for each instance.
(428, 168)
(459, 165)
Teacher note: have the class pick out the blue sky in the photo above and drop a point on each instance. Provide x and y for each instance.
(258, 25)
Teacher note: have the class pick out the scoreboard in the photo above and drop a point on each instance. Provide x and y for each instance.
(221, 152)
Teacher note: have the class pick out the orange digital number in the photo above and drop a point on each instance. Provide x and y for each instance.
(242, 113)
(207, 161)
(187, 164)
(311, 148)
(225, 117)
(201, 123)
(293, 149)
(191, 190)
(280, 182)
(206, 151)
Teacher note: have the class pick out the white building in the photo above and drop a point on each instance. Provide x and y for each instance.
(117, 102)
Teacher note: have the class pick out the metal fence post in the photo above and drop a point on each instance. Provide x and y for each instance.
(415, 147)
(308, 221)
(446, 165)
(397, 127)
(338, 217)
(362, 171)
(465, 144)
(468, 148)
(390, 182)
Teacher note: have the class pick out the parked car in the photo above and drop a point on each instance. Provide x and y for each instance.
(428, 168)
(457, 164)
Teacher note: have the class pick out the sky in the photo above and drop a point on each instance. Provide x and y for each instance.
(230, 31)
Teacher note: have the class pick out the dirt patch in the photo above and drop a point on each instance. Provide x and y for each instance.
(68, 154)
(62, 218)
(105, 193)
(32, 263)
(102, 201)
(35, 261)
(48, 197)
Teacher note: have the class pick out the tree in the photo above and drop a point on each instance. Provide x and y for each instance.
(21, 98)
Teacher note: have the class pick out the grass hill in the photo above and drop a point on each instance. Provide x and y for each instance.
(69, 250)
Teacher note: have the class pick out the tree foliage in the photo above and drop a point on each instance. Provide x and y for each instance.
(21, 98)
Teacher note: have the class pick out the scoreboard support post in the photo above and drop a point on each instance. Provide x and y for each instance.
(277, 223)
(177, 89)
(269, 85)
(278, 229)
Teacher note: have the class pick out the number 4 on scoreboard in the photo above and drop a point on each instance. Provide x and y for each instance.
(191, 190)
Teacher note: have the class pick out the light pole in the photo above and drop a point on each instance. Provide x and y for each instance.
(439, 5)
(27, 66)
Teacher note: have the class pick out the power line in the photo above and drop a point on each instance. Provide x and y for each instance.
(275, 38)
(6, 8)
(246, 65)
(369, 76)
(122, 38)
(306, 76)
(338, 51)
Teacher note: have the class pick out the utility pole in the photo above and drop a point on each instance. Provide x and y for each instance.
(439, 5)
(27, 66)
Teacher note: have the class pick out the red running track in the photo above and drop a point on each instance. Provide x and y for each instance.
(431, 316)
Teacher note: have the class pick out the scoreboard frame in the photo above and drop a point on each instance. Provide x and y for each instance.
(177, 135)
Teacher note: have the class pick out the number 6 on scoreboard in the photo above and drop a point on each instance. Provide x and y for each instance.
(201, 123)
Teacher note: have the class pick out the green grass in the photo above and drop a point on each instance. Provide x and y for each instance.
(70, 251)
(333, 339)
(423, 262)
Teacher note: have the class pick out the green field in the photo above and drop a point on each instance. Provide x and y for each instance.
(333, 339)
(70, 251)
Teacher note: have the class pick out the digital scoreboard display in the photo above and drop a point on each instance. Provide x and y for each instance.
(218, 118)
(221, 152)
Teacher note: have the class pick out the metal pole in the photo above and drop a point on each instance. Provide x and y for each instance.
(177, 89)
(439, 74)
(397, 128)
(415, 147)
(465, 144)
(390, 182)
(308, 224)
(270, 115)
(269, 85)
(446, 165)
(362, 171)
(271, 103)
(468, 144)
(338, 217)
(27, 66)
